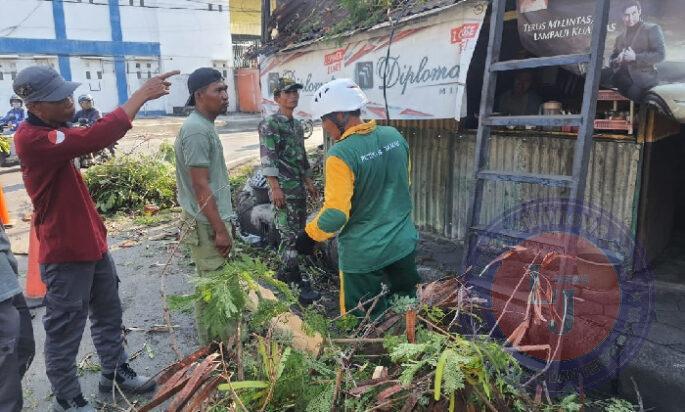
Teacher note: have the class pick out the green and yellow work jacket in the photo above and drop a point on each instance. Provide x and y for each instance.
(367, 199)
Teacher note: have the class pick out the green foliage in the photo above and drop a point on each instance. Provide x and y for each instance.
(222, 295)
(298, 387)
(617, 405)
(167, 152)
(128, 183)
(434, 314)
(238, 178)
(181, 303)
(570, 404)
(449, 369)
(402, 304)
(362, 13)
(347, 323)
(267, 310)
(314, 321)
(323, 402)
(153, 220)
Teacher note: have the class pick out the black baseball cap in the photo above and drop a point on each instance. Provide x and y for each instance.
(200, 78)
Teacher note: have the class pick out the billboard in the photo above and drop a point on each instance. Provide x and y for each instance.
(424, 73)
(644, 42)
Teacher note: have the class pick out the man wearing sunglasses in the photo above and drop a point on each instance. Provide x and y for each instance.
(74, 260)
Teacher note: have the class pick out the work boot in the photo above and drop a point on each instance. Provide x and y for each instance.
(289, 275)
(307, 294)
(78, 404)
(127, 379)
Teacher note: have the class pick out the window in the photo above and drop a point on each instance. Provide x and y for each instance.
(139, 75)
(88, 75)
(221, 8)
(99, 75)
(221, 66)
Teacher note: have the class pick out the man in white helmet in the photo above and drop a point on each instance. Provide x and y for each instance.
(367, 200)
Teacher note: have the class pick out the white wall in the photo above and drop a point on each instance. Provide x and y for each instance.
(38, 15)
(188, 39)
(102, 84)
(85, 21)
(140, 23)
(13, 63)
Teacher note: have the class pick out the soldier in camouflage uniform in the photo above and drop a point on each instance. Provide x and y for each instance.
(286, 167)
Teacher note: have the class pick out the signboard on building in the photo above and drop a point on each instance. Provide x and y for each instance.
(644, 42)
(423, 74)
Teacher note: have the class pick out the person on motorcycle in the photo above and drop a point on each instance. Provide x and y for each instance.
(15, 115)
(86, 117)
(88, 113)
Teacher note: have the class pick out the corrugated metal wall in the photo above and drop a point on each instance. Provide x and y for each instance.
(442, 176)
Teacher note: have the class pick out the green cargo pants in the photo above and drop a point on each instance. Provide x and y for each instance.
(401, 277)
(199, 237)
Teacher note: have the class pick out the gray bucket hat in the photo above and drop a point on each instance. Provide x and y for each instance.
(42, 84)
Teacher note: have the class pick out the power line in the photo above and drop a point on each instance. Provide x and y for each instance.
(146, 6)
(232, 8)
(12, 29)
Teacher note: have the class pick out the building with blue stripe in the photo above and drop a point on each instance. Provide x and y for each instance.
(113, 46)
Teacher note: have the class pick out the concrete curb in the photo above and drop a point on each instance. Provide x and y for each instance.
(12, 169)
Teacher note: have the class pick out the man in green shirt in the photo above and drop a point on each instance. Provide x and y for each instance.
(367, 201)
(202, 177)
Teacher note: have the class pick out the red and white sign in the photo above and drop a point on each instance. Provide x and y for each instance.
(335, 57)
(465, 32)
(423, 76)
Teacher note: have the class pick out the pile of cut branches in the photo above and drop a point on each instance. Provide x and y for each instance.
(127, 183)
(412, 357)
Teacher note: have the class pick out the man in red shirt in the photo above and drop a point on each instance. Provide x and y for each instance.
(75, 265)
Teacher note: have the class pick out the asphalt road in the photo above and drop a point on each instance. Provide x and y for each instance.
(138, 266)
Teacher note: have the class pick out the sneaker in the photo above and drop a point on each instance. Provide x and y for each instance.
(78, 404)
(307, 294)
(127, 379)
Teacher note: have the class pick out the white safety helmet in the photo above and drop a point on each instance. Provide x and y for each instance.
(340, 95)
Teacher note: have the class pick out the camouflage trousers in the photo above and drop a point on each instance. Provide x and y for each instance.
(290, 222)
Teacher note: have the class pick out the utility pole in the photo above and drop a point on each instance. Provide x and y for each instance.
(266, 17)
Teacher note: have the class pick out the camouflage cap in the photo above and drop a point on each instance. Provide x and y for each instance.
(285, 84)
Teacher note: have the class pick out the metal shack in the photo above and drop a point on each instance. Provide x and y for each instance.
(423, 71)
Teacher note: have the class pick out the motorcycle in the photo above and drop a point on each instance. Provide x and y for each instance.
(90, 159)
(308, 127)
(7, 156)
